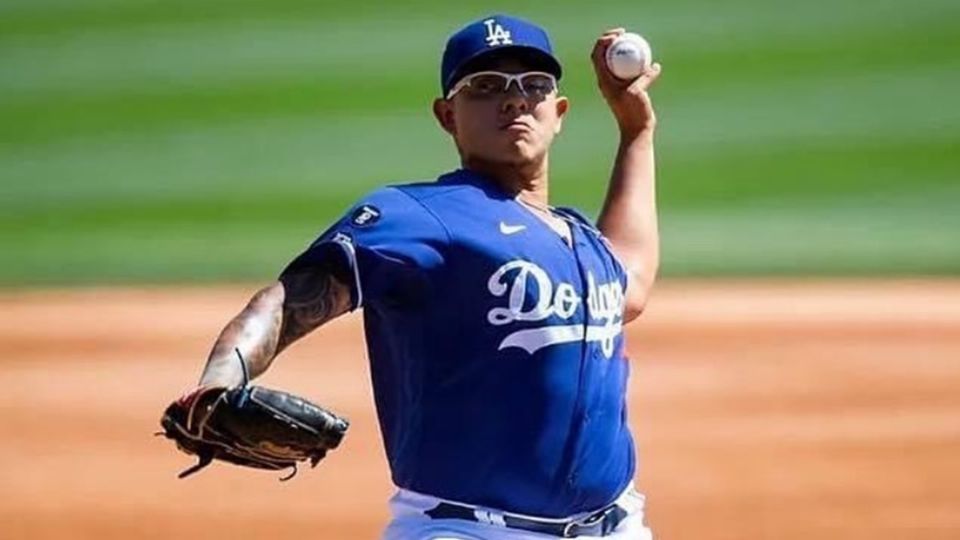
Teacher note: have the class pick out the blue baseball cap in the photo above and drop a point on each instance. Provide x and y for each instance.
(494, 37)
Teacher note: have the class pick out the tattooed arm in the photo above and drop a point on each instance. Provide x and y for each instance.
(274, 318)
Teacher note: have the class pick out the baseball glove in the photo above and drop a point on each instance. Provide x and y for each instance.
(251, 426)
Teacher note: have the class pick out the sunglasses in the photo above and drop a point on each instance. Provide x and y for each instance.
(485, 84)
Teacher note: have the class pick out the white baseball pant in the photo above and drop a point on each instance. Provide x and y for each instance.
(410, 523)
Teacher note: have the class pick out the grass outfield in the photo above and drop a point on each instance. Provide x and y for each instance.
(145, 141)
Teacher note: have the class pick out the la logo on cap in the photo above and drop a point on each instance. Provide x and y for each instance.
(496, 35)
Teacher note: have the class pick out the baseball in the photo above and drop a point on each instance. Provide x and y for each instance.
(629, 56)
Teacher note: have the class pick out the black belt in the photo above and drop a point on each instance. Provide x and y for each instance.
(599, 523)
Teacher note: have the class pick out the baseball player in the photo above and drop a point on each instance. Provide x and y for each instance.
(493, 320)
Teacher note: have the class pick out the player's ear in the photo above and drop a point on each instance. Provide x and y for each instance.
(443, 112)
(563, 105)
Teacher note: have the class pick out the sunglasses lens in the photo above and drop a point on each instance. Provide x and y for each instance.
(487, 84)
(538, 84)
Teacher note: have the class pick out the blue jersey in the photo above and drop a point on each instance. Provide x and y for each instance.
(496, 348)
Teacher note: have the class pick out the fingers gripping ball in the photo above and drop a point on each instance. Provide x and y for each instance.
(629, 56)
(251, 426)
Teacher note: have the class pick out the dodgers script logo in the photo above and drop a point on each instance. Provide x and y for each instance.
(496, 35)
(512, 280)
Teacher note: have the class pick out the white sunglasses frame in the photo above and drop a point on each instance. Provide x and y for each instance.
(510, 77)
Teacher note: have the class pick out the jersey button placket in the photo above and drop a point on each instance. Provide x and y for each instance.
(579, 249)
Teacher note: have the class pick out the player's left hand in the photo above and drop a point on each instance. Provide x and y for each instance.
(628, 100)
(251, 426)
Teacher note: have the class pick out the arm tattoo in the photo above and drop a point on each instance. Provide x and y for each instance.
(254, 331)
(274, 318)
(311, 299)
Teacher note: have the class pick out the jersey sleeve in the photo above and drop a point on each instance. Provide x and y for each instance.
(387, 246)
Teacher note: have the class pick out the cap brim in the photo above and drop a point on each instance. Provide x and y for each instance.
(486, 59)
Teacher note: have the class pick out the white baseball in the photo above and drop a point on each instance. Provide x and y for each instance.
(629, 56)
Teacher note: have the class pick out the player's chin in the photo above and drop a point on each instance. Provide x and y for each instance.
(521, 149)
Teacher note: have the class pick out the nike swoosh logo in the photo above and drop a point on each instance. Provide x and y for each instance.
(511, 229)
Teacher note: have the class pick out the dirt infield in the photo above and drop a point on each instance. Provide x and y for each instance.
(762, 411)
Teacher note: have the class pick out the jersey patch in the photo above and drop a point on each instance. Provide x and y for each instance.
(365, 216)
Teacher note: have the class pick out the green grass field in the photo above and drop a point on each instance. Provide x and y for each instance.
(148, 141)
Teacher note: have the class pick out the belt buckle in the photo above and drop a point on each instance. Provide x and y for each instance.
(587, 521)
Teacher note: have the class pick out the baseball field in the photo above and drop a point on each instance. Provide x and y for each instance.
(145, 141)
(797, 374)
(777, 410)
